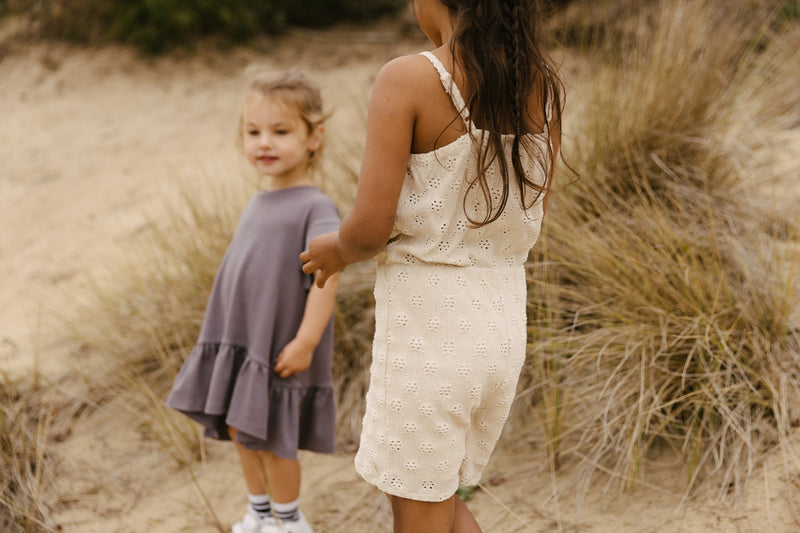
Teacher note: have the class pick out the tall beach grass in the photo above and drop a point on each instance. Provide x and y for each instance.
(27, 469)
(661, 292)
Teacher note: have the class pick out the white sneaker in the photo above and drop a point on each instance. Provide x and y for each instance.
(300, 525)
(252, 524)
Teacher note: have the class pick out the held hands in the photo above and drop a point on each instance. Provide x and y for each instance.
(323, 257)
(294, 358)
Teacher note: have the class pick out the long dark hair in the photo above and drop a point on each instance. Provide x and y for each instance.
(497, 45)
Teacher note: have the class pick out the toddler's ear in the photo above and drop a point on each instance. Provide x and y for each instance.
(315, 141)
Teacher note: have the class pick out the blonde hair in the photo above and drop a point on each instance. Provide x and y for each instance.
(295, 89)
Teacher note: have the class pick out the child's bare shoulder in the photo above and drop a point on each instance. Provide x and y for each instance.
(409, 64)
(413, 76)
(413, 72)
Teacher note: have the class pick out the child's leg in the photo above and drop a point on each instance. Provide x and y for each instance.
(284, 481)
(284, 478)
(266, 473)
(412, 516)
(464, 521)
(253, 467)
(259, 511)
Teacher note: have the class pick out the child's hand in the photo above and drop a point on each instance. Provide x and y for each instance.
(294, 358)
(323, 257)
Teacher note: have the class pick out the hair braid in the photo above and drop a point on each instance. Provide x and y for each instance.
(512, 22)
(510, 12)
(511, 90)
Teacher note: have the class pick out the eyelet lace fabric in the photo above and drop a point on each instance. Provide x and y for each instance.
(450, 327)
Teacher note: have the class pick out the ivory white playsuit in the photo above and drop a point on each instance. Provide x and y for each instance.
(450, 325)
(254, 310)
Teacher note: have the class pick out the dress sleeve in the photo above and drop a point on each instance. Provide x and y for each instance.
(323, 218)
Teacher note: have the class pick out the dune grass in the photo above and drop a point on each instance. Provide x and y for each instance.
(27, 469)
(661, 293)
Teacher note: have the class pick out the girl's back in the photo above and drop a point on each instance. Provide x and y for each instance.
(438, 122)
(439, 203)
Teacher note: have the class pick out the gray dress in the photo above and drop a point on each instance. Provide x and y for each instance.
(255, 308)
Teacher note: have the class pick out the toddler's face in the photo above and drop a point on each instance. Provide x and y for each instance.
(275, 139)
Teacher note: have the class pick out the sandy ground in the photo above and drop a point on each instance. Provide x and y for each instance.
(90, 142)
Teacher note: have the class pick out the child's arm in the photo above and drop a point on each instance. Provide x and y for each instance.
(390, 126)
(297, 355)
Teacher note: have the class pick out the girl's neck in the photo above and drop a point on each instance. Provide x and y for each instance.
(276, 184)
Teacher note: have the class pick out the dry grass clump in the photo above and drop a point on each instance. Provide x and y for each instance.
(139, 319)
(660, 311)
(146, 310)
(657, 108)
(658, 338)
(27, 469)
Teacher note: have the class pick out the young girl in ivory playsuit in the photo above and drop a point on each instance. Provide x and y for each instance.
(461, 143)
(260, 374)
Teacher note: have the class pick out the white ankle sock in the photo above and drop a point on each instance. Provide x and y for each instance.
(286, 511)
(260, 504)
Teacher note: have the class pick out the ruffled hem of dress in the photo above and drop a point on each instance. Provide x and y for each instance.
(220, 386)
